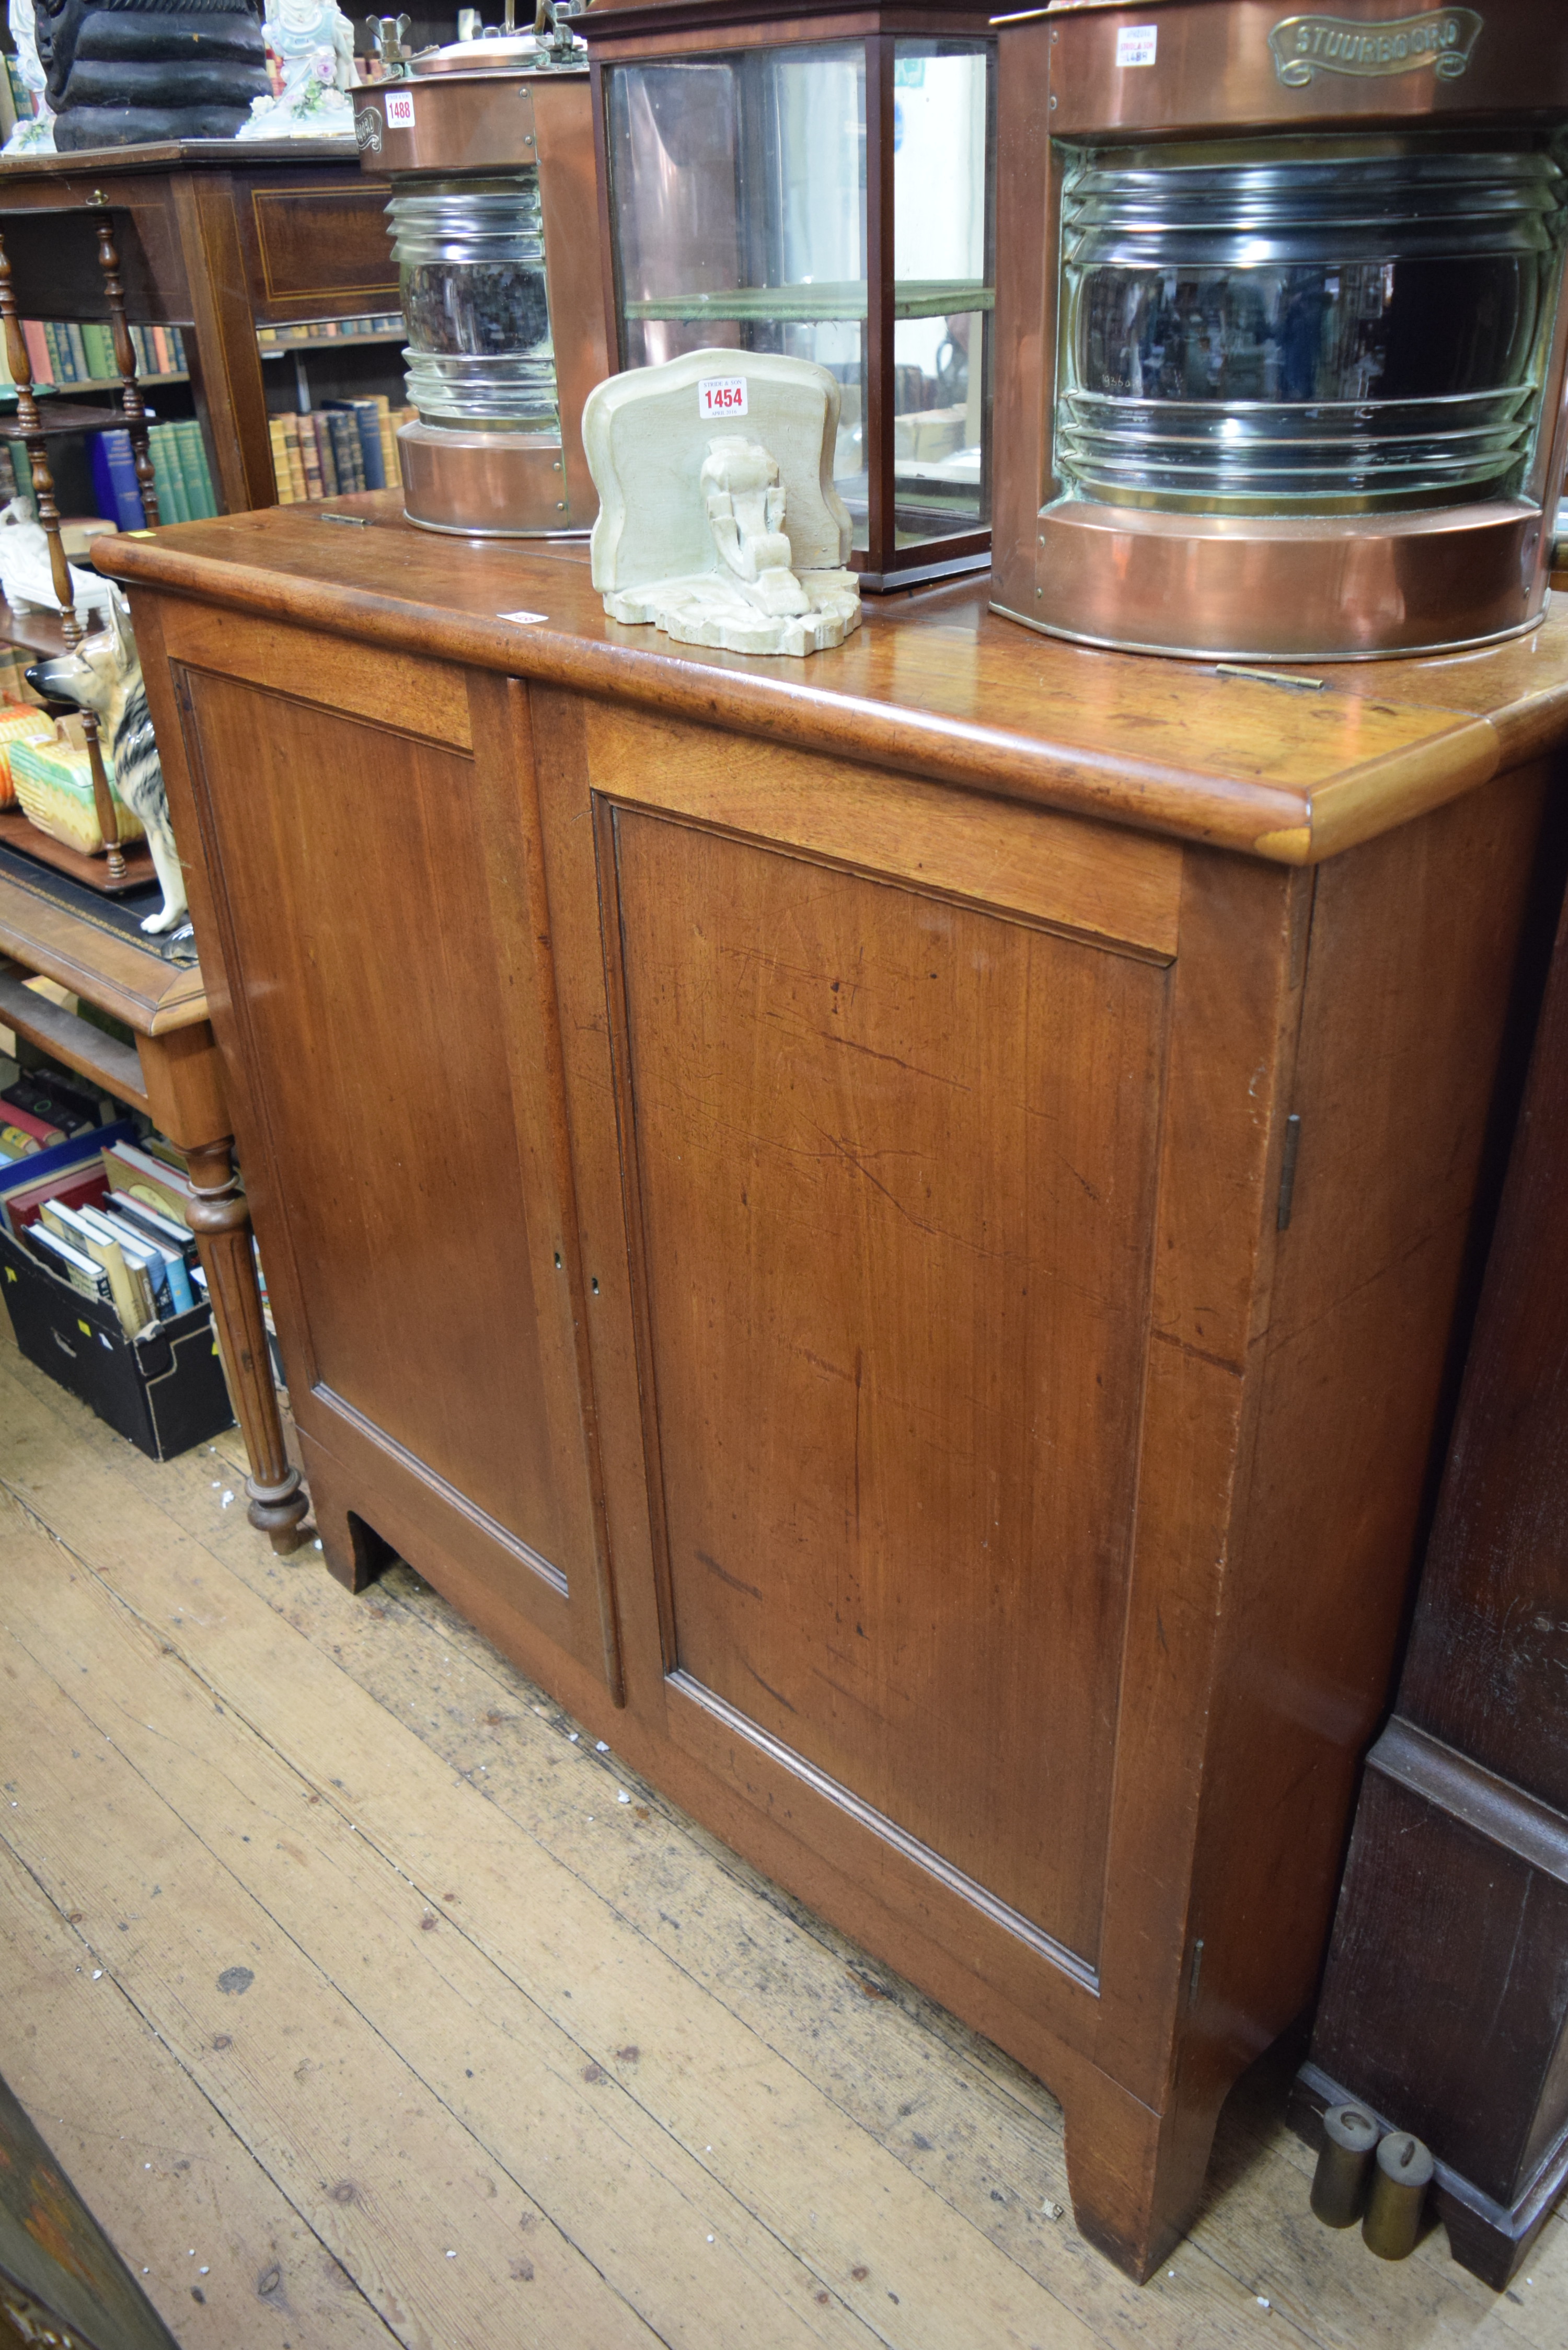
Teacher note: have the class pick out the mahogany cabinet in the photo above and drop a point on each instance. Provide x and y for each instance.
(888, 1226)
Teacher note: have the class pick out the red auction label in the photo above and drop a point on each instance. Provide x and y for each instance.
(400, 105)
(722, 395)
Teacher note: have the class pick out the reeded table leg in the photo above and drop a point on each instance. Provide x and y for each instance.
(221, 1223)
(184, 1091)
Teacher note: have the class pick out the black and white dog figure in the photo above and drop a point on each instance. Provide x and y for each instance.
(104, 675)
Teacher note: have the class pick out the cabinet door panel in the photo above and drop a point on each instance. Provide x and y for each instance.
(893, 1158)
(366, 978)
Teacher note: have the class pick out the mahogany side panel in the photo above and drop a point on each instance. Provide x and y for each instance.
(1410, 975)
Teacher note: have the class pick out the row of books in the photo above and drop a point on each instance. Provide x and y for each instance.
(329, 330)
(345, 444)
(61, 352)
(111, 1216)
(180, 474)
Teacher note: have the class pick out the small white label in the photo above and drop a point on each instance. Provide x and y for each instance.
(722, 395)
(523, 619)
(399, 108)
(1135, 45)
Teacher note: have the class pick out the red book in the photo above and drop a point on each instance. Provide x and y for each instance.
(45, 1135)
(75, 1188)
(37, 351)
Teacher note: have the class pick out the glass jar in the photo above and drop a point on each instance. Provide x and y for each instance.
(744, 215)
(1353, 331)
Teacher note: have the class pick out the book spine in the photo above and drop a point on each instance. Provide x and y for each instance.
(282, 485)
(177, 351)
(37, 351)
(76, 343)
(193, 463)
(172, 506)
(296, 461)
(121, 461)
(368, 426)
(161, 350)
(323, 450)
(60, 370)
(310, 458)
(345, 450)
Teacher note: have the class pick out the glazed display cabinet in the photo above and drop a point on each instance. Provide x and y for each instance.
(820, 185)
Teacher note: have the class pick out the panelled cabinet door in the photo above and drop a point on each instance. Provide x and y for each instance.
(890, 1064)
(391, 978)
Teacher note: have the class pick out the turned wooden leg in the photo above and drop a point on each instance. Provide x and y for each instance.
(125, 360)
(221, 1225)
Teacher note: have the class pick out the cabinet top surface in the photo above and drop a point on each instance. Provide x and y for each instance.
(178, 154)
(932, 683)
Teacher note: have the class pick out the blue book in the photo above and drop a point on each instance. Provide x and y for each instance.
(366, 417)
(114, 480)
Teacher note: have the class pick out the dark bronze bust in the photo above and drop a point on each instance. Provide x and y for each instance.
(124, 72)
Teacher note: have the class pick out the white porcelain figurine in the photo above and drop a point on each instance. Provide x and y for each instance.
(315, 44)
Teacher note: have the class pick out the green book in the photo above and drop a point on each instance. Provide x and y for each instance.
(77, 345)
(61, 366)
(98, 342)
(193, 468)
(166, 477)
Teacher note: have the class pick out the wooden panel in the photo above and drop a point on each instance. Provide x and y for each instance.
(427, 697)
(1075, 876)
(1444, 2001)
(387, 1099)
(897, 1492)
(314, 241)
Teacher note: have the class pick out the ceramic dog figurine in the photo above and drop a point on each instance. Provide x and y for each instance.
(104, 675)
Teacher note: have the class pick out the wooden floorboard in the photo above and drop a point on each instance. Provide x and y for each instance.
(522, 2055)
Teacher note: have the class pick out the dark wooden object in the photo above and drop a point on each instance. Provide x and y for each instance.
(774, 1181)
(174, 1073)
(1445, 2002)
(210, 237)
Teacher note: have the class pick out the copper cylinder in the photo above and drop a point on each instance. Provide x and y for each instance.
(1400, 2178)
(1344, 2167)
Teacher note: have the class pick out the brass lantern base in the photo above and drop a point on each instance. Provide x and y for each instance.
(1260, 588)
(486, 485)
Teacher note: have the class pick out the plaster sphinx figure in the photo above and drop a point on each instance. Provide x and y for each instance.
(727, 538)
(314, 42)
(122, 72)
(104, 675)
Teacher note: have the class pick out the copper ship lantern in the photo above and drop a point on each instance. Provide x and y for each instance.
(818, 182)
(1280, 323)
(489, 147)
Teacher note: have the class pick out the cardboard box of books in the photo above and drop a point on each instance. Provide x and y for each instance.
(104, 1293)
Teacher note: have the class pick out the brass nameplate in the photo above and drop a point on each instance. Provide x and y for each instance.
(1442, 38)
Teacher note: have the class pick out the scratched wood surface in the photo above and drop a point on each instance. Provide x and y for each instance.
(512, 2060)
(1292, 769)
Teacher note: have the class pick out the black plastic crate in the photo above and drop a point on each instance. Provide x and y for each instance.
(166, 1391)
